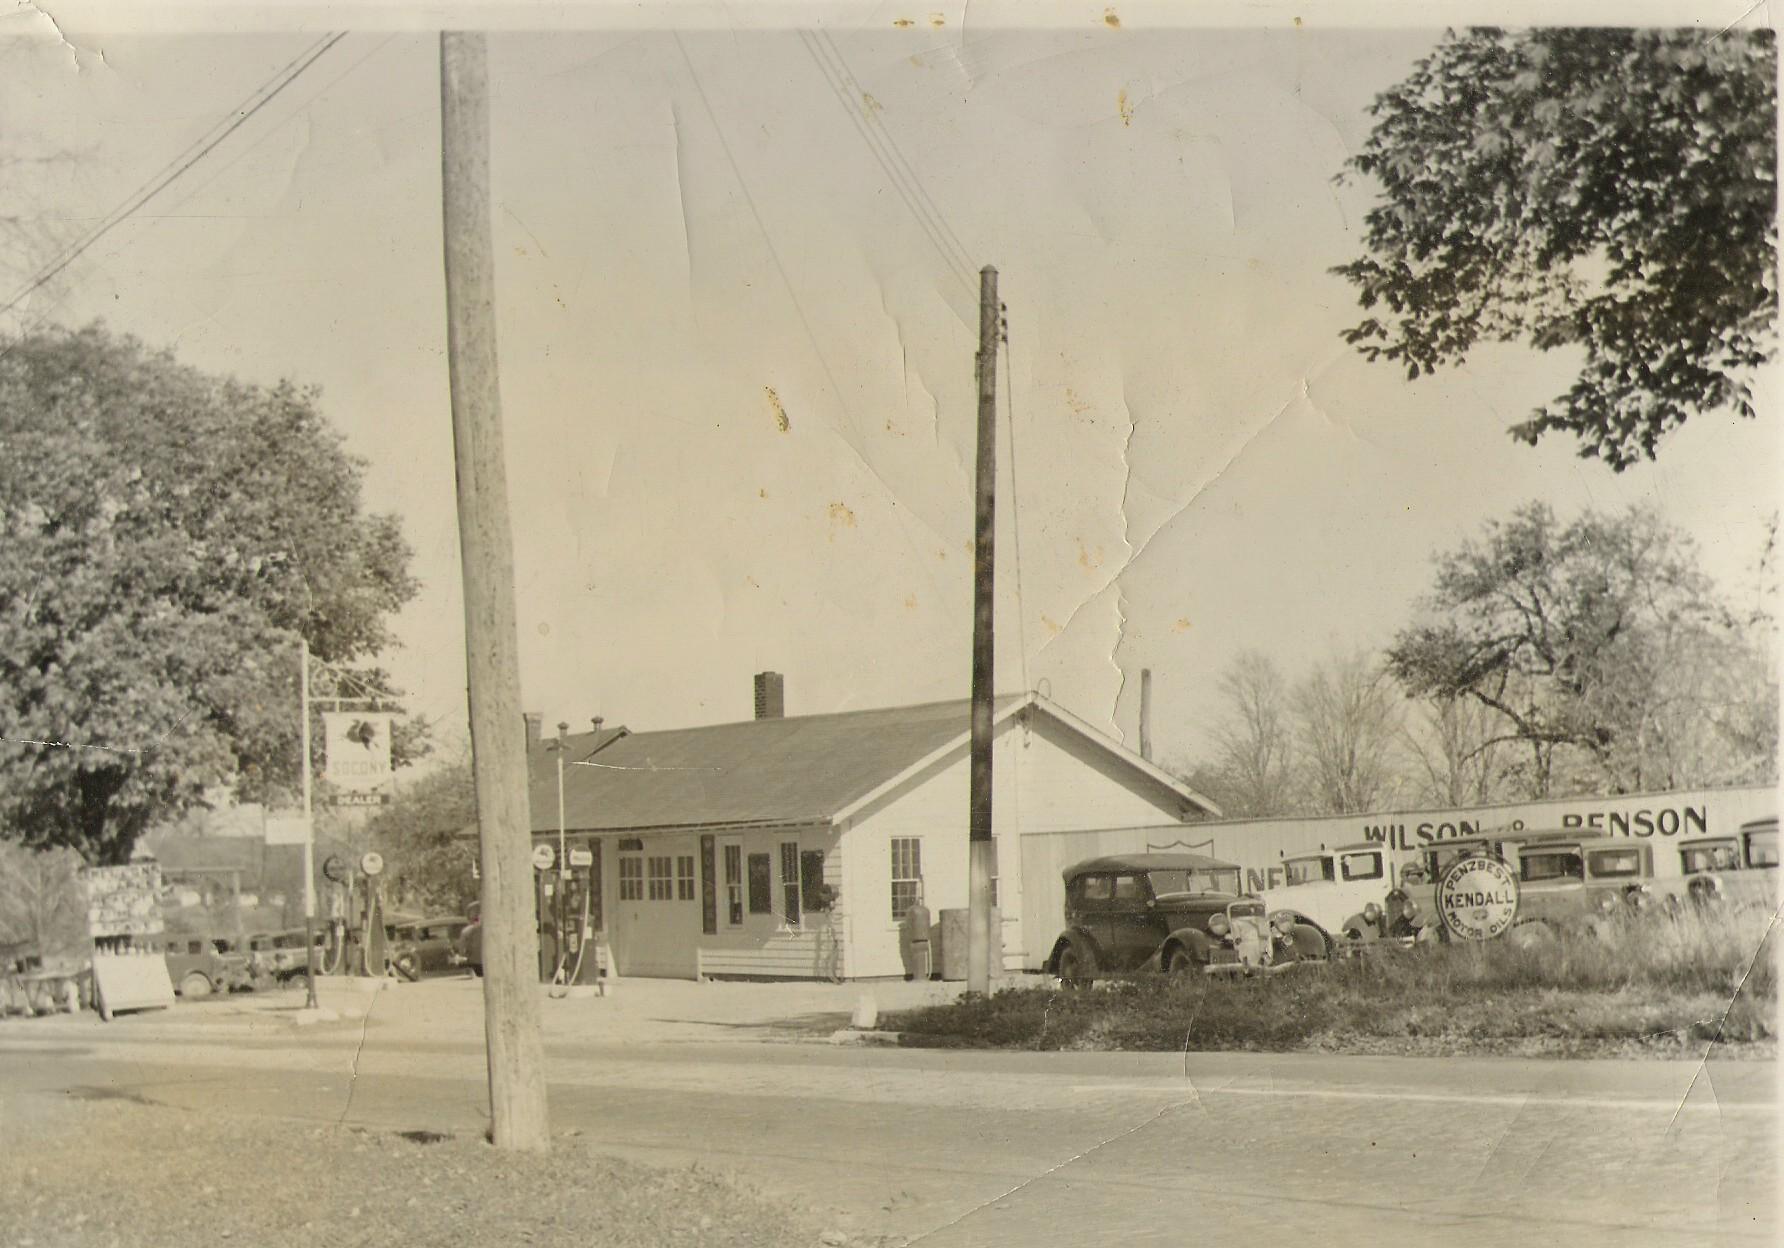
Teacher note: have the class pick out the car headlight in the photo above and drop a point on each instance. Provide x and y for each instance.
(1409, 907)
(1283, 922)
(1218, 924)
(1372, 913)
(1607, 902)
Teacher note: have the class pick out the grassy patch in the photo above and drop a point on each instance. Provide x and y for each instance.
(1666, 985)
(132, 1176)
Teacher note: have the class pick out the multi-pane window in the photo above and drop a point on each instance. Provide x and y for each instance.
(907, 873)
(631, 878)
(734, 885)
(684, 877)
(662, 883)
(789, 877)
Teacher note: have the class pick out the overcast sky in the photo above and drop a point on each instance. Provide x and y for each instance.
(688, 221)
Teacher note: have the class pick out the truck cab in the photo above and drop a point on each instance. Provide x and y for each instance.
(1349, 893)
(1742, 869)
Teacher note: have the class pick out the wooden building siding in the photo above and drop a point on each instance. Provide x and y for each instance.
(765, 944)
(1045, 778)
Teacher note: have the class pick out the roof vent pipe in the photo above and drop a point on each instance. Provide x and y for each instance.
(1146, 713)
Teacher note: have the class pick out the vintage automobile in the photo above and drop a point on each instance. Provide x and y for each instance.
(1741, 868)
(280, 956)
(1569, 879)
(1173, 912)
(1348, 895)
(200, 964)
(423, 946)
(1575, 881)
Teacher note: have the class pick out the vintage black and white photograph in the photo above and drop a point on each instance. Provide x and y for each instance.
(866, 625)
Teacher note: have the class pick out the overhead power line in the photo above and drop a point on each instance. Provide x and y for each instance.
(863, 112)
(228, 125)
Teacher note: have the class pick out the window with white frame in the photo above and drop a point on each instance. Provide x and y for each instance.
(662, 883)
(907, 873)
(789, 879)
(734, 885)
(631, 878)
(684, 877)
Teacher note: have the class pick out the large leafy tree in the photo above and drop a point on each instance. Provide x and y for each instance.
(1605, 655)
(424, 840)
(1607, 191)
(168, 537)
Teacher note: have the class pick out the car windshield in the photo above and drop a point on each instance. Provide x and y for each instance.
(1762, 848)
(1308, 870)
(1699, 858)
(1615, 862)
(1195, 881)
(1559, 865)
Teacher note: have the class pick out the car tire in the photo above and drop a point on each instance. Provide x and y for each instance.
(1531, 932)
(195, 985)
(1304, 944)
(1180, 961)
(1075, 963)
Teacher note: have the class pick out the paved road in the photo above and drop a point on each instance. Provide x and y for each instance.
(1041, 1149)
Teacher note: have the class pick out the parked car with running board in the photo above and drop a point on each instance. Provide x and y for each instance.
(1173, 912)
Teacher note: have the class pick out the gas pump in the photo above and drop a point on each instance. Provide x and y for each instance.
(547, 897)
(580, 903)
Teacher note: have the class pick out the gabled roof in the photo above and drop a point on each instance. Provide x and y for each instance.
(797, 770)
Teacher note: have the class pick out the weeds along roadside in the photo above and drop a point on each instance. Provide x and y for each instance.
(1651, 982)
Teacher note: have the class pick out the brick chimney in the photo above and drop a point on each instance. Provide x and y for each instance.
(535, 727)
(771, 695)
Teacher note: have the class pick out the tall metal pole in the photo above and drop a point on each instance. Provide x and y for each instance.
(486, 544)
(982, 860)
(303, 674)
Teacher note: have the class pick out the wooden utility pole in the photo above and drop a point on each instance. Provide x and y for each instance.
(498, 747)
(303, 677)
(982, 862)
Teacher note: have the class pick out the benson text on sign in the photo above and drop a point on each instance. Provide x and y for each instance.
(1641, 822)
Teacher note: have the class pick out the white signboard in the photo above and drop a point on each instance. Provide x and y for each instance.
(357, 755)
(287, 830)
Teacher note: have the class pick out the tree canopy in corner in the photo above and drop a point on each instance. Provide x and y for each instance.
(1610, 191)
(167, 538)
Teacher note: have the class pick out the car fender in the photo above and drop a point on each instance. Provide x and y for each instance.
(1051, 966)
(1301, 918)
(1191, 938)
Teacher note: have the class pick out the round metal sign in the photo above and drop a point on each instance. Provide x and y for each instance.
(1477, 897)
(334, 869)
(372, 863)
(543, 857)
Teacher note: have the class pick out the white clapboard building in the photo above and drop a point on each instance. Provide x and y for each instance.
(791, 846)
